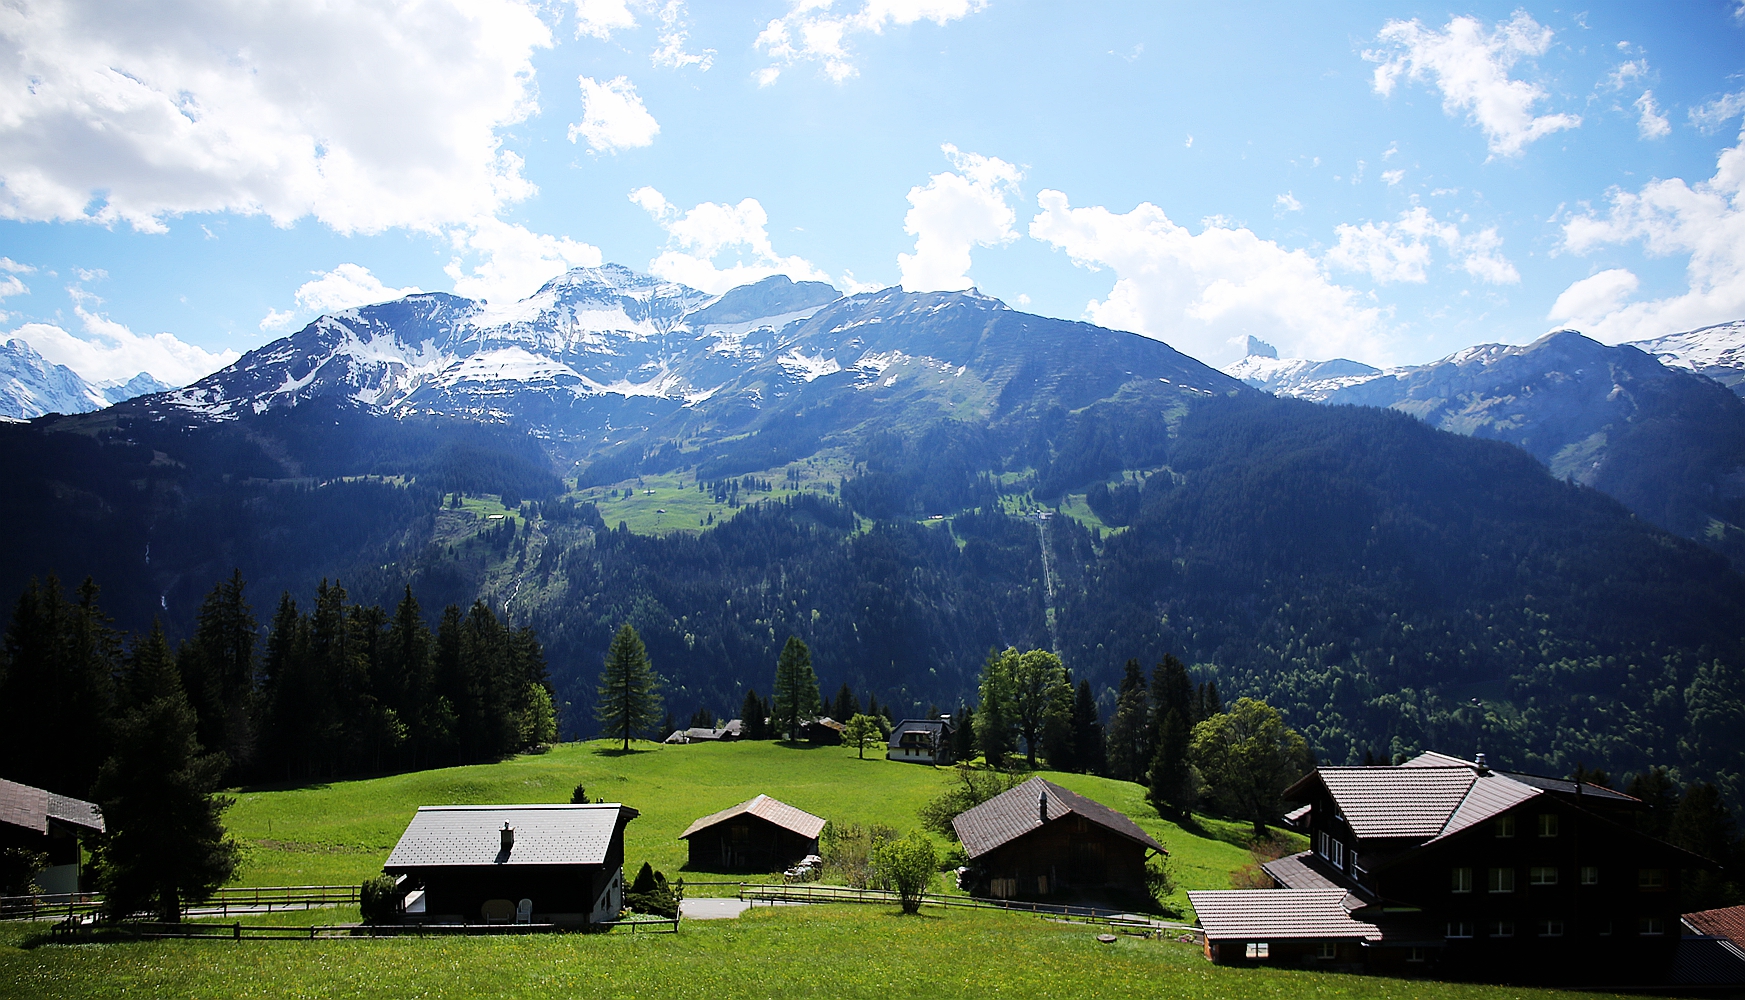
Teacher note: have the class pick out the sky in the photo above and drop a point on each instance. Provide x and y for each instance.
(183, 182)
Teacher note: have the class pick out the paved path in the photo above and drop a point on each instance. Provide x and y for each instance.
(719, 909)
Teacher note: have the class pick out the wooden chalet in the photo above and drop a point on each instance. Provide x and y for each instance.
(921, 741)
(1444, 865)
(477, 864)
(758, 835)
(38, 820)
(1040, 841)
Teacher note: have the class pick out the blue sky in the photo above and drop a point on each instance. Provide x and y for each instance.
(1388, 182)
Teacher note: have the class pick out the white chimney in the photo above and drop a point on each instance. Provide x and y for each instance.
(508, 837)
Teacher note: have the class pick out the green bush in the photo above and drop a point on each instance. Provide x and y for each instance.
(907, 866)
(650, 894)
(379, 901)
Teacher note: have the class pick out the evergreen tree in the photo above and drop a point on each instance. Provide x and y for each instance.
(1703, 825)
(61, 657)
(796, 688)
(846, 706)
(1129, 738)
(290, 692)
(751, 717)
(963, 739)
(1175, 705)
(1659, 797)
(1087, 732)
(218, 672)
(993, 724)
(1173, 690)
(1210, 703)
(406, 682)
(165, 844)
(629, 692)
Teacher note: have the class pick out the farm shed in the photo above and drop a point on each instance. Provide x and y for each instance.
(471, 864)
(38, 820)
(762, 834)
(1039, 840)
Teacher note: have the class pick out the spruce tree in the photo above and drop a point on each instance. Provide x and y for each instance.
(61, 657)
(629, 691)
(1129, 737)
(1087, 732)
(963, 740)
(1171, 774)
(846, 705)
(751, 719)
(796, 688)
(165, 845)
(218, 671)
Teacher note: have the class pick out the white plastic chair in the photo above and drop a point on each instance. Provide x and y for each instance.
(524, 911)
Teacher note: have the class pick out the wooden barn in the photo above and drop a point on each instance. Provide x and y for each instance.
(1040, 841)
(760, 835)
(476, 864)
(38, 820)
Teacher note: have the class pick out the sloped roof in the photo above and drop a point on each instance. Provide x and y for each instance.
(765, 808)
(1568, 787)
(1728, 922)
(32, 808)
(1489, 795)
(1300, 871)
(1278, 914)
(544, 835)
(1430, 796)
(1017, 811)
(934, 728)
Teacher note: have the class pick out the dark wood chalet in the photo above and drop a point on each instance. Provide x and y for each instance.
(759, 835)
(1444, 865)
(477, 864)
(38, 820)
(1040, 841)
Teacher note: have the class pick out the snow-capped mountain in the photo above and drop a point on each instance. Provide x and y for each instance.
(31, 385)
(1716, 351)
(1296, 377)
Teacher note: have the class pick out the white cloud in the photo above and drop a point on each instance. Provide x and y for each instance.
(1203, 293)
(110, 351)
(11, 266)
(613, 117)
(599, 18)
(366, 116)
(10, 285)
(1627, 73)
(346, 286)
(1393, 177)
(1589, 300)
(673, 34)
(1652, 124)
(512, 261)
(1704, 222)
(952, 214)
(1401, 250)
(1287, 202)
(1470, 64)
(697, 237)
(810, 32)
(1711, 116)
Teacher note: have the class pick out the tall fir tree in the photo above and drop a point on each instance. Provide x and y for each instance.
(1129, 736)
(219, 674)
(61, 659)
(846, 706)
(165, 844)
(1174, 706)
(751, 717)
(796, 691)
(1087, 731)
(629, 692)
(963, 738)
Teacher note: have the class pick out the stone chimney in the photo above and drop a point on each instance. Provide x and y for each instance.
(508, 836)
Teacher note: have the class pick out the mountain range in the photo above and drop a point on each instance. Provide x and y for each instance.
(31, 386)
(905, 480)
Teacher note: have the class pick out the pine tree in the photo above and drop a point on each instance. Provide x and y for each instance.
(796, 688)
(751, 717)
(1087, 732)
(963, 740)
(629, 692)
(846, 706)
(1129, 738)
(1171, 775)
(218, 672)
(165, 844)
(406, 681)
(1058, 736)
(61, 659)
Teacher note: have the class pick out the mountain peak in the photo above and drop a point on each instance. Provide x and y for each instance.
(1257, 348)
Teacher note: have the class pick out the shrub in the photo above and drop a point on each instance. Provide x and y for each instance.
(379, 900)
(847, 850)
(974, 786)
(650, 894)
(908, 866)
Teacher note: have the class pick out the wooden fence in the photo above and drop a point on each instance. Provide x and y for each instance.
(1117, 919)
(250, 899)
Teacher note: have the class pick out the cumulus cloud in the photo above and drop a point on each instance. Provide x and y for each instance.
(1470, 63)
(674, 33)
(809, 32)
(109, 351)
(1710, 116)
(1204, 293)
(365, 116)
(1287, 202)
(1703, 222)
(956, 211)
(599, 18)
(10, 284)
(1401, 250)
(695, 238)
(345, 287)
(613, 117)
(511, 262)
(1393, 177)
(1652, 124)
(1626, 73)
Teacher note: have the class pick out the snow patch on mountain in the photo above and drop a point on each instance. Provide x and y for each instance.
(1298, 378)
(1716, 351)
(31, 385)
(804, 368)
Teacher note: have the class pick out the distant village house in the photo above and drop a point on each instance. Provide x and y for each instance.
(758, 835)
(1040, 841)
(921, 741)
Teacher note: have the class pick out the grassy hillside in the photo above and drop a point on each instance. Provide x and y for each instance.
(341, 833)
(814, 951)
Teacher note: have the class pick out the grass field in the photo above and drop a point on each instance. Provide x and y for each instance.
(339, 834)
(812, 951)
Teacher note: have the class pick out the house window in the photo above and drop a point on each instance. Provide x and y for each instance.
(1650, 926)
(1590, 875)
(1550, 927)
(1331, 849)
(1460, 880)
(1327, 950)
(1502, 928)
(1505, 826)
(1547, 824)
(1415, 955)
(1259, 950)
(1651, 879)
(1541, 875)
(1460, 928)
(1502, 880)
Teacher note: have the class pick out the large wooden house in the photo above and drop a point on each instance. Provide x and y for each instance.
(41, 821)
(758, 835)
(1446, 865)
(476, 864)
(1040, 841)
(921, 741)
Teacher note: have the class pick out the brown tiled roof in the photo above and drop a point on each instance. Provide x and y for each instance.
(545, 834)
(765, 808)
(1278, 914)
(32, 808)
(1300, 871)
(1726, 923)
(1430, 796)
(1017, 811)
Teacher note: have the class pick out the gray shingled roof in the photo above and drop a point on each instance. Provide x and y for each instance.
(544, 835)
(1017, 811)
(31, 808)
(1300, 871)
(763, 807)
(1278, 914)
(1429, 796)
(1567, 786)
(933, 728)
